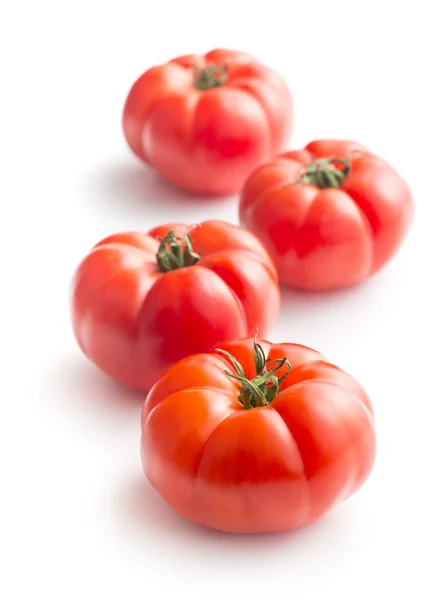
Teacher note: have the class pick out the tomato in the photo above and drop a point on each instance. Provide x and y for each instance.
(330, 215)
(205, 122)
(139, 304)
(241, 443)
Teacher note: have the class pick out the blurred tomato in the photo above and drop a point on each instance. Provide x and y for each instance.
(205, 122)
(139, 304)
(330, 215)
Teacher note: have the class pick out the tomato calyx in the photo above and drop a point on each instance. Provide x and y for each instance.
(211, 76)
(324, 172)
(262, 389)
(175, 253)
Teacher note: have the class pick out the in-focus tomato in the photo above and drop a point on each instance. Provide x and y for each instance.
(140, 304)
(330, 215)
(205, 122)
(241, 443)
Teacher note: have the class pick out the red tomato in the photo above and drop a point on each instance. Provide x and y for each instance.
(330, 215)
(243, 444)
(205, 122)
(139, 305)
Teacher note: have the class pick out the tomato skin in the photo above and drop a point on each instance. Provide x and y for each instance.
(133, 321)
(269, 468)
(208, 141)
(327, 238)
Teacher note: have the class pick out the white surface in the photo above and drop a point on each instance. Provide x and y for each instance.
(78, 520)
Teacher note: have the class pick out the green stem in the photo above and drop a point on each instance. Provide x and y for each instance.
(175, 253)
(264, 387)
(324, 173)
(210, 77)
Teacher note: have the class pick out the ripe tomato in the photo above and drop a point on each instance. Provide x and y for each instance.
(243, 444)
(330, 215)
(140, 304)
(205, 122)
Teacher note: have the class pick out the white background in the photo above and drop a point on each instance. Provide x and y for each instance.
(78, 519)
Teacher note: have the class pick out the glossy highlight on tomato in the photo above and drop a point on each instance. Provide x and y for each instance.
(140, 302)
(256, 437)
(330, 215)
(205, 122)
